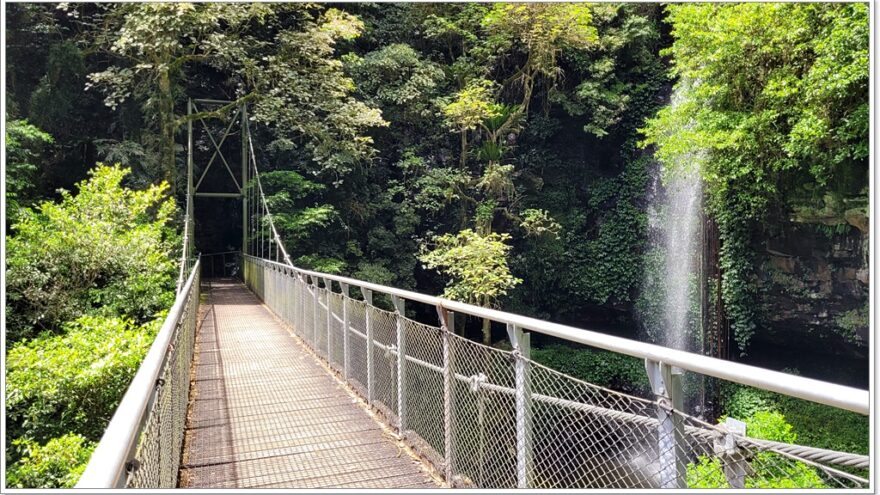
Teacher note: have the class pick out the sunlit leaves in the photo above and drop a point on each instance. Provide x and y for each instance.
(782, 85)
(57, 464)
(472, 105)
(73, 381)
(542, 30)
(106, 247)
(538, 222)
(475, 264)
(304, 94)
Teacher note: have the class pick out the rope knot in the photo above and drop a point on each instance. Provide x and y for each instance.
(477, 381)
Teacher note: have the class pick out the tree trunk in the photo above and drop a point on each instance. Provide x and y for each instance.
(166, 131)
(487, 331)
(463, 148)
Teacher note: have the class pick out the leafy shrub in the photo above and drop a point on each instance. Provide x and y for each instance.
(57, 464)
(707, 472)
(475, 264)
(107, 247)
(24, 142)
(73, 382)
(826, 427)
(816, 425)
(768, 470)
(606, 369)
(743, 402)
(770, 425)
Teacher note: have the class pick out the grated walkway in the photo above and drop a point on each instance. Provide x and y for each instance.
(265, 413)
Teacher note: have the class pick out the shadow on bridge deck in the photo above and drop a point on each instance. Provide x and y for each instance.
(265, 413)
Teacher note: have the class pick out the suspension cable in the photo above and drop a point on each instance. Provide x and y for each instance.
(279, 246)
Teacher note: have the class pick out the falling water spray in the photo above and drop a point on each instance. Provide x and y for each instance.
(672, 281)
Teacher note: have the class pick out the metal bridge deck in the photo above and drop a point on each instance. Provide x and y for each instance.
(264, 412)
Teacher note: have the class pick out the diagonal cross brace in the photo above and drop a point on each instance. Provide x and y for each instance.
(217, 150)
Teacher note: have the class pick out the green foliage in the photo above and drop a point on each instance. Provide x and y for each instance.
(57, 464)
(816, 60)
(744, 402)
(539, 222)
(769, 470)
(621, 74)
(440, 186)
(475, 264)
(58, 95)
(497, 181)
(826, 427)
(320, 263)
(472, 106)
(602, 368)
(396, 77)
(73, 382)
(24, 142)
(304, 222)
(107, 247)
(853, 321)
(607, 255)
(542, 31)
(281, 57)
(814, 424)
(736, 260)
(776, 94)
(302, 91)
(770, 425)
(292, 183)
(707, 472)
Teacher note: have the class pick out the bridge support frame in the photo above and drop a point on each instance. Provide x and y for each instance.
(240, 182)
(736, 466)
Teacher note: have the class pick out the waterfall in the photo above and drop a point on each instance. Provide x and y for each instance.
(670, 301)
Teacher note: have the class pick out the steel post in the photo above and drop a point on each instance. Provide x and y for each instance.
(368, 298)
(345, 331)
(736, 465)
(401, 361)
(447, 329)
(314, 282)
(666, 385)
(244, 178)
(327, 289)
(521, 342)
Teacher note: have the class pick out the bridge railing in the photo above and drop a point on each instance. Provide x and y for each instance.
(141, 447)
(492, 418)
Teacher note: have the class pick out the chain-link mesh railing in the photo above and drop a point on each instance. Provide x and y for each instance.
(493, 418)
(157, 460)
(141, 447)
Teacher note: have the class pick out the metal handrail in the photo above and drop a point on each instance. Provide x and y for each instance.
(107, 466)
(840, 396)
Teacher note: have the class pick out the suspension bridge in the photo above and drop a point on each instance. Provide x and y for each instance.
(267, 375)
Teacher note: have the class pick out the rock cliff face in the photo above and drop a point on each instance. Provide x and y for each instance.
(814, 288)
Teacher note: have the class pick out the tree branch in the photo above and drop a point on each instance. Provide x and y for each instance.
(217, 113)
